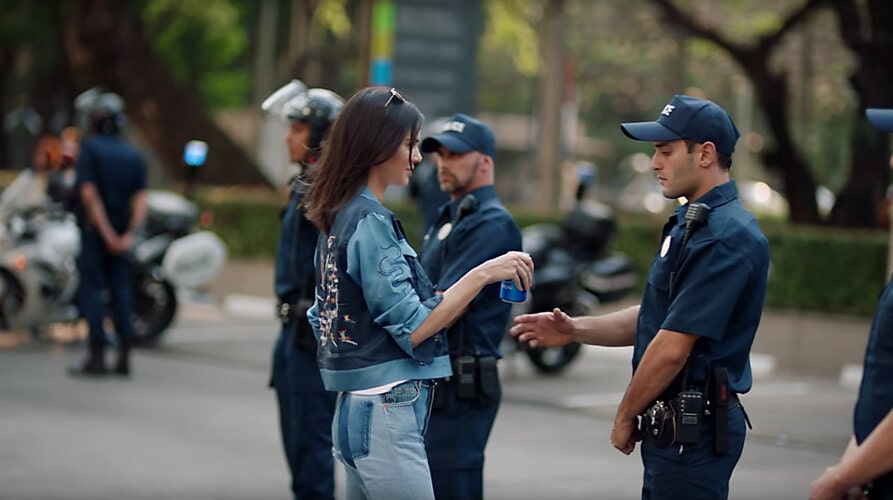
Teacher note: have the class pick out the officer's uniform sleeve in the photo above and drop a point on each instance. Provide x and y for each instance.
(85, 165)
(708, 288)
(141, 179)
(377, 261)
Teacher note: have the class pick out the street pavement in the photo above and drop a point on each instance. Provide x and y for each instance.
(196, 420)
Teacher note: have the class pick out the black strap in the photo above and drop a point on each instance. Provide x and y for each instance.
(303, 334)
(468, 205)
(719, 387)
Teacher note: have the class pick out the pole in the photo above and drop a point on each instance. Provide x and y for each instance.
(548, 156)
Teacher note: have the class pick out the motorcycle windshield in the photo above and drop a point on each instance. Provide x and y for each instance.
(27, 190)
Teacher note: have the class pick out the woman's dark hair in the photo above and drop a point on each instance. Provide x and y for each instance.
(367, 132)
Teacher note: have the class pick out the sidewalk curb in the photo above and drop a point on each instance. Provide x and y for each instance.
(249, 306)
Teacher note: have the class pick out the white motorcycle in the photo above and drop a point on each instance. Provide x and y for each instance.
(39, 278)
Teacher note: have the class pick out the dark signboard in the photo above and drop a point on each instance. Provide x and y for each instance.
(435, 51)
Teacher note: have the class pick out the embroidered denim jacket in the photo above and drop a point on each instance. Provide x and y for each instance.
(371, 293)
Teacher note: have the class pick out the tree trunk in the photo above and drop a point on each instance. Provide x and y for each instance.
(784, 157)
(771, 92)
(6, 64)
(872, 79)
(106, 44)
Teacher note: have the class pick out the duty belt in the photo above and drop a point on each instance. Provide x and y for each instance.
(284, 311)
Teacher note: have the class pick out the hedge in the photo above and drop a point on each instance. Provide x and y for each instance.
(812, 268)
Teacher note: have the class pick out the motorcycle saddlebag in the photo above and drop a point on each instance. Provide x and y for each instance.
(589, 227)
(609, 278)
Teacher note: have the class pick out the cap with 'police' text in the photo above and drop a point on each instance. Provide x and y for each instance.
(880, 118)
(686, 117)
(460, 135)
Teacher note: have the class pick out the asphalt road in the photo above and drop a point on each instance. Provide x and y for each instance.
(196, 421)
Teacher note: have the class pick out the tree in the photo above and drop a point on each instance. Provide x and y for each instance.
(106, 44)
(867, 28)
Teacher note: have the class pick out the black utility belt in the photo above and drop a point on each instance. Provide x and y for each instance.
(476, 378)
(459, 363)
(297, 312)
(290, 311)
(678, 420)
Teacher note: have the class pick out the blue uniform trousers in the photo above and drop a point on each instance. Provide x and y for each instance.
(457, 434)
(98, 269)
(698, 473)
(305, 418)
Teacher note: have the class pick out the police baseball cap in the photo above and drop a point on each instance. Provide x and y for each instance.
(462, 134)
(686, 117)
(880, 118)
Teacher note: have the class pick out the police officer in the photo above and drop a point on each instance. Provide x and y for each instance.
(424, 188)
(868, 459)
(700, 308)
(305, 407)
(111, 184)
(472, 228)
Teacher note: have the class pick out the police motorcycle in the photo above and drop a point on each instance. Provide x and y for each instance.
(170, 255)
(575, 270)
(39, 246)
(39, 277)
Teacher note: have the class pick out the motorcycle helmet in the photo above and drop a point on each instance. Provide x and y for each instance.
(316, 107)
(100, 110)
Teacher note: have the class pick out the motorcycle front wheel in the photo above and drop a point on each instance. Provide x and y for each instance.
(554, 360)
(154, 307)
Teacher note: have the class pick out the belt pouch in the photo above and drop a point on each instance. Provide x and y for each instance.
(303, 334)
(719, 387)
(488, 380)
(465, 369)
(659, 424)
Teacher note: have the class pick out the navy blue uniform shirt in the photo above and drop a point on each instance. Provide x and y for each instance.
(294, 250)
(486, 230)
(719, 288)
(116, 169)
(876, 390)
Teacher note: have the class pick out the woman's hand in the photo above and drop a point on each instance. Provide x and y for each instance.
(515, 266)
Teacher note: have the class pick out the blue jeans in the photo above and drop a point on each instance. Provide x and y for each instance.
(380, 440)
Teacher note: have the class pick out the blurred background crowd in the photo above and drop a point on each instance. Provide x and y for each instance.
(554, 78)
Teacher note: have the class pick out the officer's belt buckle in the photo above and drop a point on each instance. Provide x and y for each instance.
(284, 312)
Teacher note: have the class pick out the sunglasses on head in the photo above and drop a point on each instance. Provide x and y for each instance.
(395, 94)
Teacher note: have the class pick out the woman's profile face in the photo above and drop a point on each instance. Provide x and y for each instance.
(398, 168)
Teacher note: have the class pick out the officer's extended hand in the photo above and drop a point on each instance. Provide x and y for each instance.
(625, 435)
(546, 329)
(829, 487)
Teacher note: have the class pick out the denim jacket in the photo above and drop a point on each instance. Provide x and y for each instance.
(370, 295)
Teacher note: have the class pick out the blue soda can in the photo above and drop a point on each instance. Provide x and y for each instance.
(508, 292)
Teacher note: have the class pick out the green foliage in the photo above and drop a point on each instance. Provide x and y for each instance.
(508, 59)
(21, 21)
(332, 16)
(249, 228)
(201, 42)
(812, 268)
(824, 269)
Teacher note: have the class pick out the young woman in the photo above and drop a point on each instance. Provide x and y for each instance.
(378, 322)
